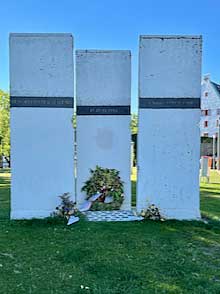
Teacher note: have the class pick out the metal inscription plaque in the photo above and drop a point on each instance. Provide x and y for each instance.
(103, 110)
(50, 102)
(157, 103)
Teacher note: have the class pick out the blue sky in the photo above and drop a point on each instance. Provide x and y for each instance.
(114, 24)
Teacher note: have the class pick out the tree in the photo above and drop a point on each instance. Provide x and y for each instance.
(134, 123)
(4, 124)
(134, 130)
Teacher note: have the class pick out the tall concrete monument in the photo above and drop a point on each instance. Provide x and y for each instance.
(41, 89)
(169, 115)
(103, 94)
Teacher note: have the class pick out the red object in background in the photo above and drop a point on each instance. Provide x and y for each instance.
(209, 160)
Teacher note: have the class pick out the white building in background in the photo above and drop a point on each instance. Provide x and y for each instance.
(210, 107)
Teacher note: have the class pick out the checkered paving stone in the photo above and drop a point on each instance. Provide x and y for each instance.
(112, 216)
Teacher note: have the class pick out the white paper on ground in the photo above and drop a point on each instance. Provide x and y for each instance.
(73, 219)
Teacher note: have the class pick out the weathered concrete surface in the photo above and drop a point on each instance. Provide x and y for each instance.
(41, 66)
(169, 139)
(170, 67)
(103, 78)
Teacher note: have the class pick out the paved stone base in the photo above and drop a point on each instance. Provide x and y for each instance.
(112, 216)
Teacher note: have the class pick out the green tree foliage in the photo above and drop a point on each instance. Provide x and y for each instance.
(134, 130)
(134, 123)
(4, 123)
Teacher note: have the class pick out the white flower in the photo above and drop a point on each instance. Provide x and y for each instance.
(142, 213)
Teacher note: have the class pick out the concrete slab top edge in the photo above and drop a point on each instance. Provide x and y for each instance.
(46, 35)
(80, 51)
(170, 36)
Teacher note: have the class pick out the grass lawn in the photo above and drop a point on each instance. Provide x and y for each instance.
(44, 256)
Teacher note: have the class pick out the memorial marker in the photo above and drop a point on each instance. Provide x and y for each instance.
(103, 85)
(168, 148)
(41, 89)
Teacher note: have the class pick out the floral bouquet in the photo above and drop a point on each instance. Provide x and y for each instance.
(104, 189)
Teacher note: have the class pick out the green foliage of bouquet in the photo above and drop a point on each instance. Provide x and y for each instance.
(104, 189)
(152, 212)
(66, 208)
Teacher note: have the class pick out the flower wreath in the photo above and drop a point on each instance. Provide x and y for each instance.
(104, 189)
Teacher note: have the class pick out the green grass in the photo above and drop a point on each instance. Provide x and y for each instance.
(45, 256)
(4, 194)
(210, 197)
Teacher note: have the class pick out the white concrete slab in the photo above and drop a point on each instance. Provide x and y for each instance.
(168, 161)
(103, 78)
(41, 65)
(170, 66)
(104, 141)
(168, 148)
